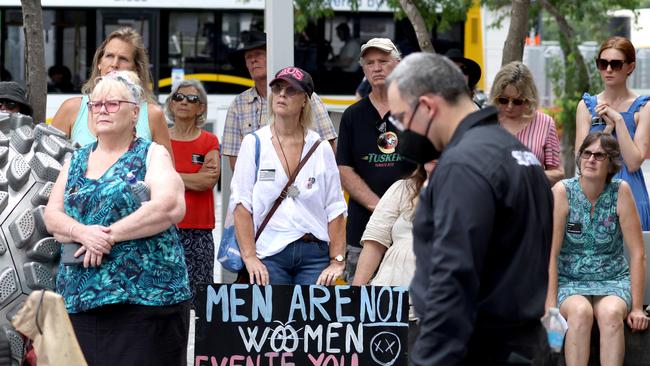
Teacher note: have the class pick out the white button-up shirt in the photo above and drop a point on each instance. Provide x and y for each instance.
(320, 201)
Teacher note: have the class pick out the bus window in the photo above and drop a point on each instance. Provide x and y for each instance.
(200, 42)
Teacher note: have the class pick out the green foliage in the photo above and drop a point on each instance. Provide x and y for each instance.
(436, 13)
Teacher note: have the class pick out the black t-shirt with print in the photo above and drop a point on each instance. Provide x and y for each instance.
(357, 148)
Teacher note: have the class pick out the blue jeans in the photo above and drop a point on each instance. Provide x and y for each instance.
(300, 263)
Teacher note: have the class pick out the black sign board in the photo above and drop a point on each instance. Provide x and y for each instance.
(284, 325)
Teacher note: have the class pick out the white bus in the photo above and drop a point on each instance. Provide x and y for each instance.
(197, 36)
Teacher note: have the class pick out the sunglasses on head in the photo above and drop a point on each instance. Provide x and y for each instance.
(191, 98)
(289, 90)
(515, 101)
(616, 65)
(8, 104)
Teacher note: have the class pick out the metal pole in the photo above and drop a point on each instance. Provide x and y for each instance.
(278, 21)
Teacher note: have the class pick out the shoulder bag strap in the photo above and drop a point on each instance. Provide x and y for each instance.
(257, 154)
(283, 194)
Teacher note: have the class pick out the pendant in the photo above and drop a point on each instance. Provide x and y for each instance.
(293, 191)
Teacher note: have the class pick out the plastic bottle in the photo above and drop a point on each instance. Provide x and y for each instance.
(139, 188)
(556, 327)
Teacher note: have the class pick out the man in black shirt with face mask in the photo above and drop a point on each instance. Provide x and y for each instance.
(482, 230)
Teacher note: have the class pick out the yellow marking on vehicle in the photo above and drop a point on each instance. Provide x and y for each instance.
(216, 78)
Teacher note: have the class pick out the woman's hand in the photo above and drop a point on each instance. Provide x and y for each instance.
(609, 115)
(637, 320)
(96, 239)
(256, 271)
(331, 273)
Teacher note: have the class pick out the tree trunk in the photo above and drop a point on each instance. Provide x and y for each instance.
(576, 82)
(35, 57)
(513, 47)
(420, 27)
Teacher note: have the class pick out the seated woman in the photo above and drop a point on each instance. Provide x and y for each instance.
(196, 157)
(589, 277)
(128, 303)
(388, 239)
(515, 95)
(304, 240)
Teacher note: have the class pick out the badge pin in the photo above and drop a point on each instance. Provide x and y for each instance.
(310, 182)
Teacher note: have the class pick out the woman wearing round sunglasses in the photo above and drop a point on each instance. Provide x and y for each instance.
(196, 157)
(304, 240)
(594, 218)
(123, 49)
(133, 270)
(515, 95)
(619, 111)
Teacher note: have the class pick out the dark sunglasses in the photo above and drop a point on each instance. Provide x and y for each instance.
(8, 104)
(191, 98)
(289, 91)
(600, 156)
(616, 65)
(506, 101)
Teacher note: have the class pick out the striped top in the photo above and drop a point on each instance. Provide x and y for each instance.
(540, 136)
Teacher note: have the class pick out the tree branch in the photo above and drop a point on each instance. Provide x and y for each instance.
(421, 31)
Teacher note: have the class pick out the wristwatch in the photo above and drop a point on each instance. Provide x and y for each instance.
(339, 258)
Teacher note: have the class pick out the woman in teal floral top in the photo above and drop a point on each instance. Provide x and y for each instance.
(128, 301)
(589, 277)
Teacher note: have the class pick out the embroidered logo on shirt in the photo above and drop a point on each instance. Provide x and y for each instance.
(525, 158)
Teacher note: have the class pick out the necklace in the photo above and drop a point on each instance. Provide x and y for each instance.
(293, 190)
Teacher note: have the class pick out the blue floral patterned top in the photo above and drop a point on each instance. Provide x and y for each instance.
(592, 261)
(147, 271)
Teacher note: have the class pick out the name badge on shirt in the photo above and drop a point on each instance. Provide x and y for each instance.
(198, 158)
(574, 228)
(267, 175)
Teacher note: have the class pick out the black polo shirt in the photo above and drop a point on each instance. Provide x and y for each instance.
(357, 148)
(482, 240)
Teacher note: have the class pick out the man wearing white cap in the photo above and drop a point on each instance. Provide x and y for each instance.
(366, 156)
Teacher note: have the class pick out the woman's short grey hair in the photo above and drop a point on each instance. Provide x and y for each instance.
(421, 73)
(127, 81)
(203, 98)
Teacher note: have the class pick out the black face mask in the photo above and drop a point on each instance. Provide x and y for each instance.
(415, 147)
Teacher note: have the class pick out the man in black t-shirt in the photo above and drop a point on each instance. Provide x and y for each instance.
(482, 228)
(366, 155)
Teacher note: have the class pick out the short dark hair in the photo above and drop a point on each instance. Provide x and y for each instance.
(611, 147)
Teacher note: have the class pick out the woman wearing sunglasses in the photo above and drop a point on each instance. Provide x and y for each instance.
(594, 217)
(303, 240)
(196, 157)
(123, 49)
(128, 301)
(515, 95)
(619, 111)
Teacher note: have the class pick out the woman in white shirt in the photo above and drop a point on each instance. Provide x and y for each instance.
(304, 240)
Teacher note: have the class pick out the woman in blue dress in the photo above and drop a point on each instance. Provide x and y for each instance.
(589, 276)
(617, 110)
(128, 301)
